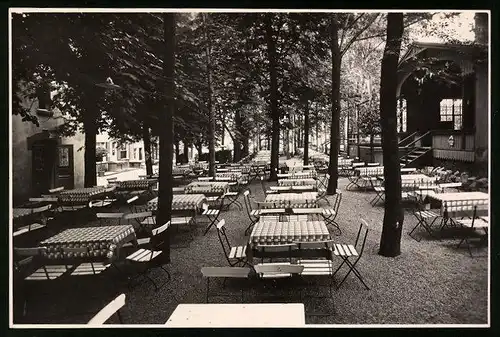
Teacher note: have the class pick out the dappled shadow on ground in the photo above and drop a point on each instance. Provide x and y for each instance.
(429, 283)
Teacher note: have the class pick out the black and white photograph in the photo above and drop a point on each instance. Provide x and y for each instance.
(245, 168)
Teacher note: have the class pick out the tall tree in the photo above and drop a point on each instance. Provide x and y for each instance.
(211, 118)
(167, 136)
(390, 241)
(335, 100)
(273, 96)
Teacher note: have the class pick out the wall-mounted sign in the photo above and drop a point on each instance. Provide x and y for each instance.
(451, 141)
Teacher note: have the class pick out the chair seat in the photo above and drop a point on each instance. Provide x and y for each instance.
(255, 212)
(149, 221)
(478, 223)
(27, 229)
(379, 189)
(427, 214)
(231, 194)
(103, 203)
(344, 250)
(316, 267)
(238, 252)
(90, 269)
(184, 220)
(50, 272)
(210, 212)
(143, 255)
(328, 211)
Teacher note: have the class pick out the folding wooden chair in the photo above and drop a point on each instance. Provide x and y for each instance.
(150, 256)
(232, 198)
(131, 203)
(253, 214)
(278, 271)
(25, 257)
(469, 226)
(329, 214)
(211, 214)
(348, 251)
(224, 273)
(318, 267)
(423, 215)
(33, 226)
(235, 255)
(109, 310)
(266, 190)
(322, 190)
(142, 221)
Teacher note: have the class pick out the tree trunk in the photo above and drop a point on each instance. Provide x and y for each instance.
(185, 154)
(334, 128)
(372, 155)
(146, 138)
(211, 124)
(236, 138)
(199, 149)
(273, 97)
(177, 151)
(167, 135)
(306, 132)
(90, 129)
(390, 241)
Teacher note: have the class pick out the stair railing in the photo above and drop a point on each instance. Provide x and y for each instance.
(412, 143)
(407, 138)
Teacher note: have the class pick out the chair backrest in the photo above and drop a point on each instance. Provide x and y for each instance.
(138, 215)
(223, 239)
(131, 200)
(110, 215)
(29, 251)
(108, 311)
(337, 200)
(361, 237)
(160, 229)
(230, 272)
(57, 189)
(278, 268)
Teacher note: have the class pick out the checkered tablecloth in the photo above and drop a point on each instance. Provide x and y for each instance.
(311, 174)
(80, 195)
(294, 200)
(370, 171)
(102, 241)
(131, 185)
(273, 232)
(201, 187)
(180, 202)
(18, 213)
(296, 182)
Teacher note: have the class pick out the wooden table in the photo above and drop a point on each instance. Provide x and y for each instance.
(417, 178)
(211, 315)
(306, 199)
(80, 196)
(272, 232)
(461, 196)
(311, 174)
(181, 202)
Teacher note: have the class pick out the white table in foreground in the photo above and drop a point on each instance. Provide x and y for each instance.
(213, 315)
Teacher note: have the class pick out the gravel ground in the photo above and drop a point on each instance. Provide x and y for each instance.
(431, 282)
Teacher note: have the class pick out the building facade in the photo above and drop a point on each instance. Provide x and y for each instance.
(42, 160)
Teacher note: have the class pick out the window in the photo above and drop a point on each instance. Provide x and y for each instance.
(451, 111)
(135, 153)
(401, 111)
(123, 152)
(140, 153)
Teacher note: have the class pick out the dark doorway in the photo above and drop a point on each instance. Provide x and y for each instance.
(43, 165)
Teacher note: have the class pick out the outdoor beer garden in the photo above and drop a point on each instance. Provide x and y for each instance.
(289, 230)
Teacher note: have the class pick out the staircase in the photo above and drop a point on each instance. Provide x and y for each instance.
(414, 153)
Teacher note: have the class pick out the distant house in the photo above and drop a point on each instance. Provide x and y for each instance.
(42, 160)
